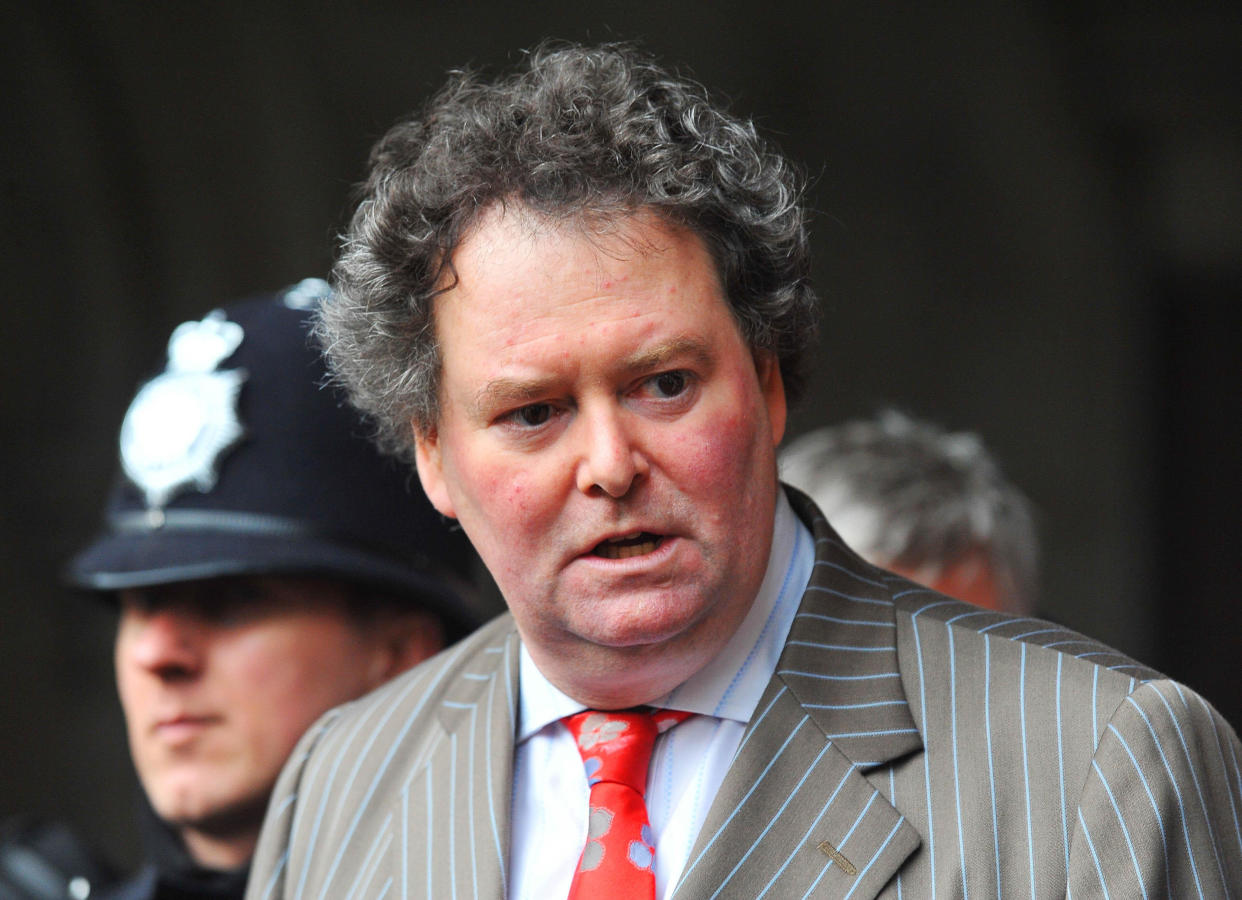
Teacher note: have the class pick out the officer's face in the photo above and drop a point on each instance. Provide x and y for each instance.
(218, 680)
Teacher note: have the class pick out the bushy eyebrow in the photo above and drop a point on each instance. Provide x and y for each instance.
(695, 349)
(509, 393)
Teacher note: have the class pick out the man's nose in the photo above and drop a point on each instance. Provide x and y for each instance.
(167, 643)
(610, 460)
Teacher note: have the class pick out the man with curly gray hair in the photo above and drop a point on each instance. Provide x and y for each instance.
(576, 297)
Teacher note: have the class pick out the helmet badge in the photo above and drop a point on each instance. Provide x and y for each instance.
(182, 422)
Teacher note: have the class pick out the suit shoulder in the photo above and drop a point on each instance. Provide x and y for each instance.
(423, 686)
(397, 712)
(1167, 765)
(1043, 665)
(359, 756)
(938, 637)
(1008, 634)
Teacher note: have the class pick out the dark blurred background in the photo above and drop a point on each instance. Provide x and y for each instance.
(1027, 224)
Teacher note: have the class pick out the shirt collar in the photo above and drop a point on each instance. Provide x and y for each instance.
(728, 687)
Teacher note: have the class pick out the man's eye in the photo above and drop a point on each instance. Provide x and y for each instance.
(669, 384)
(534, 415)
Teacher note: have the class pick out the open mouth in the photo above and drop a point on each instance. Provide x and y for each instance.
(631, 545)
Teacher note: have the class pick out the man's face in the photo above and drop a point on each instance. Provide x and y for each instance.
(607, 441)
(218, 679)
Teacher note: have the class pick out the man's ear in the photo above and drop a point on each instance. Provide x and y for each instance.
(431, 469)
(772, 386)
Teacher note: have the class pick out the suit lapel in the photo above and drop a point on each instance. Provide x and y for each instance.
(462, 784)
(795, 814)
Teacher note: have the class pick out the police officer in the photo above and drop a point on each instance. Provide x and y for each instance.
(267, 564)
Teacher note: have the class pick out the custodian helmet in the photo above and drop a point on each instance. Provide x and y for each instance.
(239, 459)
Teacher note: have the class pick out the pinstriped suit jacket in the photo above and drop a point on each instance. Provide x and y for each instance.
(907, 746)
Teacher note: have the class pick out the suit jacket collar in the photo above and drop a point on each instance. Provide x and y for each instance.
(796, 812)
(478, 714)
(841, 659)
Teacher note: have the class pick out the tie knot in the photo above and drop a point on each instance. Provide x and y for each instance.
(616, 746)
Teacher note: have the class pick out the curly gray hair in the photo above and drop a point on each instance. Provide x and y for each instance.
(907, 493)
(584, 134)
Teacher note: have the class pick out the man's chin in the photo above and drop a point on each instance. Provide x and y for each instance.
(648, 624)
(636, 639)
(668, 642)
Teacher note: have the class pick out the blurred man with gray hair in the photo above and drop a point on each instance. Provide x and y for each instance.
(927, 503)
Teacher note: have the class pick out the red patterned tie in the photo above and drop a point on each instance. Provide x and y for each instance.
(620, 849)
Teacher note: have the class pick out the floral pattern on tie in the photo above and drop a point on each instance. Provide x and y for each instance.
(598, 727)
(618, 858)
(642, 851)
(599, 823)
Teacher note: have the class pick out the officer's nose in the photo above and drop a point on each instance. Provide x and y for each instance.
(164, 641)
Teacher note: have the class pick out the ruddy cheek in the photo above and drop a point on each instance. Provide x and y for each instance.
(511, 492)
(718, 453)
(507, 498)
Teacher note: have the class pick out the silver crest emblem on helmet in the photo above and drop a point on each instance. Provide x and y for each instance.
(183, 420)
(308, 293)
